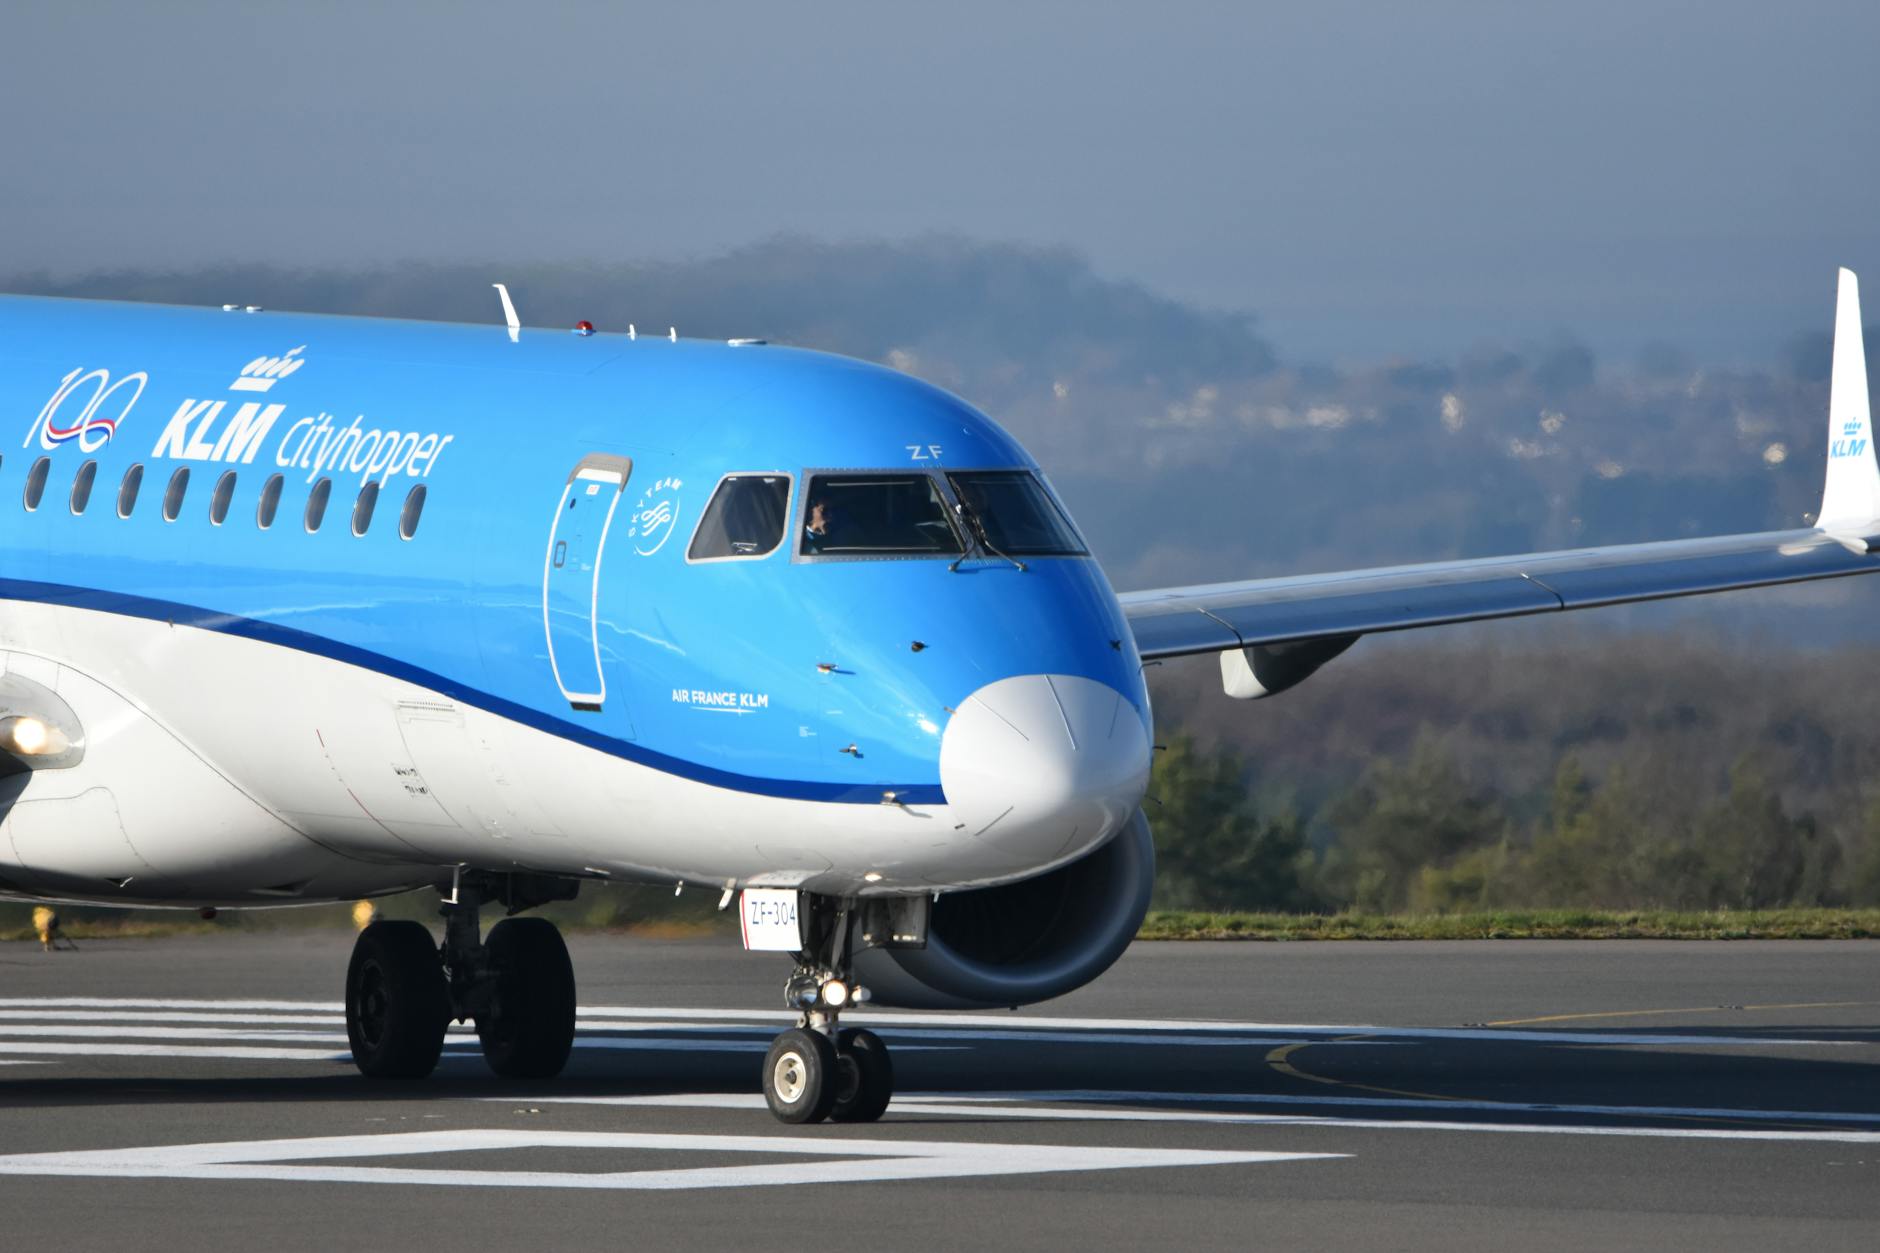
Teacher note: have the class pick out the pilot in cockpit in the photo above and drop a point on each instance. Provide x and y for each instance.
(816, 526)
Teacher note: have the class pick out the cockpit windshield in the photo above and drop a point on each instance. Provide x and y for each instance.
(1017, 515)
(877, 515)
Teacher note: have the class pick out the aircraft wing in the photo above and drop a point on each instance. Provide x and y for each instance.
(1169, 622)
(1337, 608)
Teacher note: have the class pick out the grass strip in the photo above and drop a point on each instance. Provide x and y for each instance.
(1522, 924)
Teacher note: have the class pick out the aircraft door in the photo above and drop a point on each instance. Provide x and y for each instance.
(571, 576)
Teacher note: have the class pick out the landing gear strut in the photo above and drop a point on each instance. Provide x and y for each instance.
(818, 1070)
(403, 990)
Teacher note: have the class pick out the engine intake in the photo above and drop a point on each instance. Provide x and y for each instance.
(1023, 942)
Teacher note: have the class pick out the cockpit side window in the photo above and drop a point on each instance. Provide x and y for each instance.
(746, 518)
(1015, 512)
(884, 514)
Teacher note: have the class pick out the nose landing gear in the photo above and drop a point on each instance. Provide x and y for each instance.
(818, 1070)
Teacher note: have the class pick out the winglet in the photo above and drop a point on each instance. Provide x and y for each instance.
(1851, 501)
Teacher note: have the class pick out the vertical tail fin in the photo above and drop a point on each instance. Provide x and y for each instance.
(1851, 500)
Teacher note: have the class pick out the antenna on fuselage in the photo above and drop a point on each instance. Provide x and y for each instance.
(509, 313)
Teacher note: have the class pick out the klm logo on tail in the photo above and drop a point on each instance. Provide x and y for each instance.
(1853, 441)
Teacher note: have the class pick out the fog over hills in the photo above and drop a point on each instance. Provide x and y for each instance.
(1189, 449)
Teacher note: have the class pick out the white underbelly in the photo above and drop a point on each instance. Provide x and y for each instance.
(225, 770)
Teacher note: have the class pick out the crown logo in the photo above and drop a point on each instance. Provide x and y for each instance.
(1851, 427)
(264, 372)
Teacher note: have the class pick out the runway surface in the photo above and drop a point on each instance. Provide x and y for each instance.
(196, 1093)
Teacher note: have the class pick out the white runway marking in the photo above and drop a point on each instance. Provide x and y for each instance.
(59, 1039)
(109, 1048)
(1378, 1102)
(1003, 1026)
(857, 1160)
(1000, 1105)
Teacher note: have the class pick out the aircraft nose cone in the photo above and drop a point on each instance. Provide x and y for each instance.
(1045, 764)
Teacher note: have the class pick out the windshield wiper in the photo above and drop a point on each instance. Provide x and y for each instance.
(977, 530)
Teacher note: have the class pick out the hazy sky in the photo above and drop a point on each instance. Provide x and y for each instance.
(1370, 178)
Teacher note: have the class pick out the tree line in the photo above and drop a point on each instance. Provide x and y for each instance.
(1690, 794)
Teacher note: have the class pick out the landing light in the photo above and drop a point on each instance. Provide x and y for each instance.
(835, 994)
(26, 735)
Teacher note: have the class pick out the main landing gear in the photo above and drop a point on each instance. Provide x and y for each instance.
(819, 1070)
(403, 990)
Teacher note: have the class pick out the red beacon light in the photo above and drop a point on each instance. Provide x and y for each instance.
(584, 327)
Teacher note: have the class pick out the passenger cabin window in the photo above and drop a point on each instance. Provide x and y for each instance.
(173, 495)
(746, 518)
(127, 490)
(269, 503)
(408, 516)
(81, 486)
(220, 498)
(362, 508)
(1014, 513)
(36, 481)
(876, 515)
(316, 504)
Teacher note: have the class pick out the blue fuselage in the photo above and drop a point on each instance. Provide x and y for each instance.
(781, 675)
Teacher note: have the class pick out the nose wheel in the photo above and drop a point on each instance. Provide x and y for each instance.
(864, 1077)
(809, 1078)
(818, 1070)
(800, 1076)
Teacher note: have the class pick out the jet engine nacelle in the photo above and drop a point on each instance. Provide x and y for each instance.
(1023, 942)
(1269, 669)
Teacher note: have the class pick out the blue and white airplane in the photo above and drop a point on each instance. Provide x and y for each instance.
(299, 608)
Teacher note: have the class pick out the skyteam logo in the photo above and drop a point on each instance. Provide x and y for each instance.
(655, 516)
(1853, 440)
(87, 407)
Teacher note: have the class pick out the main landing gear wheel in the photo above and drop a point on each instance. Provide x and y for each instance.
(397, 1003)
(800, 1076)
(864, 1077)
(528, 1028)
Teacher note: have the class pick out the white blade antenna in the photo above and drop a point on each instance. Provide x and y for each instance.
(509, 313)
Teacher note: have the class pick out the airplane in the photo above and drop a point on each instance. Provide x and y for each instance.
(304, 608)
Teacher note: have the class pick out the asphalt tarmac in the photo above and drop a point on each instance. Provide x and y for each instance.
(195, 1093)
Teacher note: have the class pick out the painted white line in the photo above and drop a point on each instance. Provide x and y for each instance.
(1822, 1136)
(77, 1042)
(1005, 1025)
(863, 1160)
(1378, 1102)
(1039, 1022)
(117, 1002)
(160, 1015)
(88, 1031)
(720, 1046)
(170, 1050)
(56, 1025)
(985, 1107)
